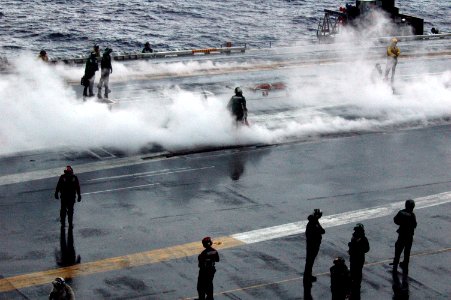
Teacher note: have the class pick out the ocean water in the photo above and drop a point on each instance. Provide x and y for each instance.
(71, 27)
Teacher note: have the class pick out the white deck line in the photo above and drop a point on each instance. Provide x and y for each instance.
(82, 168)
(355, 216)
(121, 189)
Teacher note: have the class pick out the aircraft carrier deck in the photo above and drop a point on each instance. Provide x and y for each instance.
(138, 228)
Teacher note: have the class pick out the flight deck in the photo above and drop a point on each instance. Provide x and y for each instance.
(324, 133)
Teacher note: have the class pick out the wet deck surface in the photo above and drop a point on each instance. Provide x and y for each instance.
(158, 200)
(226, 192)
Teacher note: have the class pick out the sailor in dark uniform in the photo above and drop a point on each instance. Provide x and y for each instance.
(237, 107)
(313, 233)
(407, 222)
(66, 189)
(207, 270)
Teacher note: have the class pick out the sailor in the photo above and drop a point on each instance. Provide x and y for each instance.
(96, 50)
(147, 48)
(358, 246)
(207, 270)
(43, 56)
(339, 279)
(106, 70)
(92, 66)
(392, 59)
(61, 290)
(313, 233)
(407, 223)
(68, 186)
(237, 107)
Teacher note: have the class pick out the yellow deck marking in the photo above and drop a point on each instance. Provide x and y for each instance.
(114, 263)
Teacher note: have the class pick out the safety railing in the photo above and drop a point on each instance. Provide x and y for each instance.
(160, 54)
(416, 37)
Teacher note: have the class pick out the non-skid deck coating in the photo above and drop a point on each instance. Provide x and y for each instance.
(139, 225)
(190, 249)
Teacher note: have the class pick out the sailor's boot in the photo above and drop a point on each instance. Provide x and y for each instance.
(99, 93)
(404, 267)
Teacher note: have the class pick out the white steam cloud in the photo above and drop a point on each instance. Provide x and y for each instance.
(39, 109)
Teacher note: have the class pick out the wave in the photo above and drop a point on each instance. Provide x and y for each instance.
(55, 36)
(174, 25)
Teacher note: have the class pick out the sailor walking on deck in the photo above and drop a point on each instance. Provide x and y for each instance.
(106, 70)
(67, 188)
(392, 59)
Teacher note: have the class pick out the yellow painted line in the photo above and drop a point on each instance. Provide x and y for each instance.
(111, 264)
(381, 262)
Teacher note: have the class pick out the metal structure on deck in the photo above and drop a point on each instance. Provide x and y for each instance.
(330, 24)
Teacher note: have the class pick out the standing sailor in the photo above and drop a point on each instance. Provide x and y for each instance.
(392, 59)
(407, 223)
(313, 233)
(92, 66)
(106, 70)
(207, 270)
(67, 188)
(358, 246)
(237, 107)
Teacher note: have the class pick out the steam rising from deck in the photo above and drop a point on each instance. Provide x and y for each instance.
(39, 110)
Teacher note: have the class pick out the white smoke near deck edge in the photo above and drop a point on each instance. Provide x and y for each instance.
(147, 68)
(351, 97)
(40, 111)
